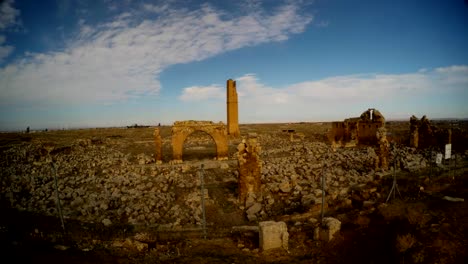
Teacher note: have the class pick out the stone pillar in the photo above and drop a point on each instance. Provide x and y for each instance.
(383, 149)
(273, 235)
(158, 144)
(414, 132)
(250, 168)
(232, 109)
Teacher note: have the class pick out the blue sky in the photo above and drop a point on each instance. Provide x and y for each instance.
(66, 64)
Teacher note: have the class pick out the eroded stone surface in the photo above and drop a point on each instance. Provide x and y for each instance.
(273, 235)
(232, 109)
(357, 130)
(250, 168)
(330, 227)
(424, 135)
(383, 149)
(158, 146)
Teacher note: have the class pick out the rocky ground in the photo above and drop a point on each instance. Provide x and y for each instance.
(118, 205)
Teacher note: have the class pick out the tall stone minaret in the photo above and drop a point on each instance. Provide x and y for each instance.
(232, 109)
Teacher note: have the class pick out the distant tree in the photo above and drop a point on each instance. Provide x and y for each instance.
(27, 130)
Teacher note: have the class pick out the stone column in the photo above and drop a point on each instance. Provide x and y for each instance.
(158, 144)
(250, 168)
(414, 132)
(383, 149)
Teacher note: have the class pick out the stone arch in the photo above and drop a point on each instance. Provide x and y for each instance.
(182, 129)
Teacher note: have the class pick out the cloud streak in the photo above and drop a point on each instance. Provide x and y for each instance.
(8, 19)
(123, 58)
(312, 99)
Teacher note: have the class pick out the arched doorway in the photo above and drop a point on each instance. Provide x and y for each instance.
(182, 129)
(199, 145)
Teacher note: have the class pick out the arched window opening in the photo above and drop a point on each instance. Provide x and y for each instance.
(199, 145)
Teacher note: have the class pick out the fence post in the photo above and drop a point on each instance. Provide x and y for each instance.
(201, 172)
(54, 170)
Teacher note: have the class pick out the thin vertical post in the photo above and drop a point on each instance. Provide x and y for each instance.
(323, 186)
(201, 172)
(57, 197)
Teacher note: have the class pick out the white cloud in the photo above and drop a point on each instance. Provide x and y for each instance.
(199, 93)
(8, 19)
(5, 51)
(8, 14)
(323, 99)
(123, 58)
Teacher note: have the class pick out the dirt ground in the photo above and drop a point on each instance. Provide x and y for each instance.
(419, 226)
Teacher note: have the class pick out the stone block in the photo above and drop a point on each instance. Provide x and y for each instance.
(330, 227)
(273, 235)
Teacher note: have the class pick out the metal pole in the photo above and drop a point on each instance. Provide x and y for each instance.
(201, 172)
(54, 170)
(323, 187)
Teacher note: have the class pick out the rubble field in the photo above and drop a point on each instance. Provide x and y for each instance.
(116, 205)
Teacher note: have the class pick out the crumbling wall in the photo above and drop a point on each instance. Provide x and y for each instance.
(250, 168)
(383, 149)
(357, 130)
(425, 135)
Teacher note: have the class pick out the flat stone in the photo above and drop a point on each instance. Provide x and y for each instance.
(106, 222)
(273, 235)
(255, 208)
(285, 187)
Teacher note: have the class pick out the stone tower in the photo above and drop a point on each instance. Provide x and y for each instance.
(232, 109)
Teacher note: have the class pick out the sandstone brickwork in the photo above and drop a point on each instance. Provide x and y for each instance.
(232, 109)
(250, 168)
(158, 145)
(383, 149)
(357, 130)
(423, 134)
(182, 129)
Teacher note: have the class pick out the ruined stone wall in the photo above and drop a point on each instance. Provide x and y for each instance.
(367, 132)
(425, 135)
(358, 130)
(337, 131)
(250, 168)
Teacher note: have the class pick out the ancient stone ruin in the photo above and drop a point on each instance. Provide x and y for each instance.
(357, 130)
(250, 168)
(182, 129)
(383, 149)
(158, 144)
(232, 109)
(424, 135)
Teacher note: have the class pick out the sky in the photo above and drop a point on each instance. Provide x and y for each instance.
(103, 63)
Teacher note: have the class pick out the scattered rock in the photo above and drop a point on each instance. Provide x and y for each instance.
(106, 222)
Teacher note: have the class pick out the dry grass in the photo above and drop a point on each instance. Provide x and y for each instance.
(405, 242)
